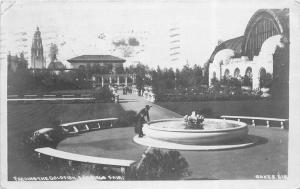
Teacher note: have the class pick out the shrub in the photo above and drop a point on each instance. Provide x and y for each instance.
(266, 80)
(159, 165)
(103, 93)
(207, 112)
(127, 119)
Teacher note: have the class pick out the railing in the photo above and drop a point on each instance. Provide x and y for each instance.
(84, 126)
(150, 96)
(30, 98)
(38, 96)
(116, 97)
(135, 91)
(53, 153)
(267, 119)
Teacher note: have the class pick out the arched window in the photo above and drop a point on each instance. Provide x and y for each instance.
(236, 72)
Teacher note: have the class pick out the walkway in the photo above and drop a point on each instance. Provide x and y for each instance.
(136, 103)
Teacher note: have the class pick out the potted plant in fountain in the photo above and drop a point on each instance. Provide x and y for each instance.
(265, 84)
(194, 121)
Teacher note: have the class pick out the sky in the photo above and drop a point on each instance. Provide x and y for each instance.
(90, 27)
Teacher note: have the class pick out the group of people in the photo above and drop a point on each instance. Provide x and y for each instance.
(125, 90)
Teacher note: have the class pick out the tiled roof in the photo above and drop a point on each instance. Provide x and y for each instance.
(96, 59)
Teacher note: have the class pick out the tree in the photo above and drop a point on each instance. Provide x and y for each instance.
(206, 72)
(266, 80)
(53, 52)
(247, 81)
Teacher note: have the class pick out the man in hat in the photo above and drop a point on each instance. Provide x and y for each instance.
(141, 120)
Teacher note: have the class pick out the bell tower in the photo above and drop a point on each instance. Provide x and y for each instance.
(37, 52)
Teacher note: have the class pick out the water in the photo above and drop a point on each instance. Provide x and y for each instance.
(207, 125)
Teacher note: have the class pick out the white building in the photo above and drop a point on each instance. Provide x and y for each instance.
(263, 48)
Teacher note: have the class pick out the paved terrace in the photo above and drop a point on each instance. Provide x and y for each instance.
(268, 157)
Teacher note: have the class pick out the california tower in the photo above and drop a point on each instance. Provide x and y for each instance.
(37, 52)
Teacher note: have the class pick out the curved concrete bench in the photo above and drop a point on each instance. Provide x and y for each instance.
(88, 125)
(53, 153)
(43, 131)
(267, 119)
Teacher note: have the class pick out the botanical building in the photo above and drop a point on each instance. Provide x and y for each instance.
(262, 50)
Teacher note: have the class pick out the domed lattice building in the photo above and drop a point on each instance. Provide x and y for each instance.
(263, 49)
(56, 65)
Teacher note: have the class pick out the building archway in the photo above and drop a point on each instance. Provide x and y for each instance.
(262, 76)
(226, 74)
(262, 72)
(214, 75)
(236, 73)
(247, 80)
(248, 72)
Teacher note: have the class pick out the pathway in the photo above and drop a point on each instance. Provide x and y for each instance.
(136, 103)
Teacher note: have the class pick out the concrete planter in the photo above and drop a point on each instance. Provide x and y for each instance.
(265, 92)
(246, 88)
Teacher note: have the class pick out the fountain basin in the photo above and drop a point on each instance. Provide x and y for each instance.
(214, 132)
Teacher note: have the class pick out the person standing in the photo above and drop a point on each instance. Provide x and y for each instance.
(141, 120)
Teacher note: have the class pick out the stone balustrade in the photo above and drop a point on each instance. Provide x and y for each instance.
(84, 126)
(150, 96)
(267, 119)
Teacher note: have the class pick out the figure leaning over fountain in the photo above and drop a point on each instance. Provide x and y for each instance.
(141, 120)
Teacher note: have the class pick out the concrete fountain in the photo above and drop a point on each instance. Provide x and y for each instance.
(194, 132)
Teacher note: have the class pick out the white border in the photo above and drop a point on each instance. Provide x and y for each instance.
(294, 150)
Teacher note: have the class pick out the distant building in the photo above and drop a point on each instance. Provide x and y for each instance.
(107, 69)
(111, 63)
(15, 62)
(37, 52)
(264, 48)
(56, 65)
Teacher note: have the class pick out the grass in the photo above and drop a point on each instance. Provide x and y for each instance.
(261, 108)
(23, 119)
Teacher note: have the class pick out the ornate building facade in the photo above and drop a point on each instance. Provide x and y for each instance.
(263, 49)
(37, 52)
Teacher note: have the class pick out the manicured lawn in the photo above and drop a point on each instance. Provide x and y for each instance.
(23, 119)
(260, 108)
